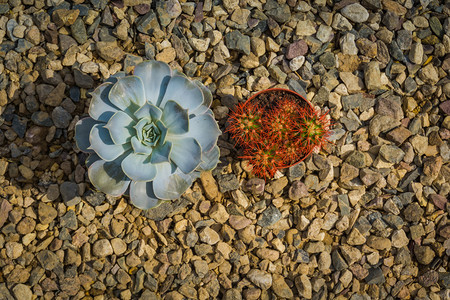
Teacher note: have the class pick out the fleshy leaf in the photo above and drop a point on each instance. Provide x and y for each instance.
(108, 177)
(205, 130)
(103, 145)
(128, 94)
(149, 110)
(114, 78)
(207, 99)
(101, 108)
(92, 158)
(138, 167)
(142, 195)
(155, 75)
(184, 92)
(170, 184)
(186, 154)
(161, 153)
(209, 159)
(175, 118)
(162, 131)
(140, 148)
(120, 127)
(82, 131)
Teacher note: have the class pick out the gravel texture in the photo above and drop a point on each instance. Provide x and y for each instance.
(366, 218)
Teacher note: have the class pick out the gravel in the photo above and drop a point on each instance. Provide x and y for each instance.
(365, 218)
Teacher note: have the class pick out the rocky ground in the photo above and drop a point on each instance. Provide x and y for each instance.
(366, 218)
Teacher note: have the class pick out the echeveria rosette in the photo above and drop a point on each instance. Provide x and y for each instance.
(149, 134)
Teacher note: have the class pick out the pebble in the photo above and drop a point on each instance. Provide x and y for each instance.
(298, 48)
(102, 248)
(209, 236)
(260, 278)
(269, 217)
(355, 12)
(280, 287)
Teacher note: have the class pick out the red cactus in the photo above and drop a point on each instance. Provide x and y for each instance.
(245, 123)
(276, 136)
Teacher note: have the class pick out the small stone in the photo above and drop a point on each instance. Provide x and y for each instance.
(269, 254)
(61, 117)
(324, 33)
(429, 74)
(235, 40)
(304, 286)
(429, 278)
(356, 238)
(69, 220)
(102, 248)
(239, 222)
(69, 193)
(298, 190)
(392, 153)
(355, 12)
(379, 243)
(255, 186)
(399, 239)
(209, 236)
(280, 288)
(228, 182)
(424, 254)
(375, 276)
(25, 226)
(201, 268)
(119, 246)
(219, 213)
(296, 63)
(22, 292)
(269, 217)
(13, 250)
(200, 44)
(260, 278)
(109, 51)
(295, 49)
(372, 76)
(167, 55)
(48, 259)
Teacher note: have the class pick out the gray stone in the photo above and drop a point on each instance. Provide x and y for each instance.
(61, 117)
(227, 182)
(22, 292)
(69, 220)
(375, 276)
(48, 259)
(269, 217)
(355, 12)
(404, 39)
(235, 40)
(148, 23)
(79, 31)
(391, 153)
(69, 193)
(279, 12)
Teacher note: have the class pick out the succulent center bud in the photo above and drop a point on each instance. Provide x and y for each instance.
(147, 132)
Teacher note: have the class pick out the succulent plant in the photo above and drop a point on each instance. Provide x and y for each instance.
(149, 135)
(277, 135)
